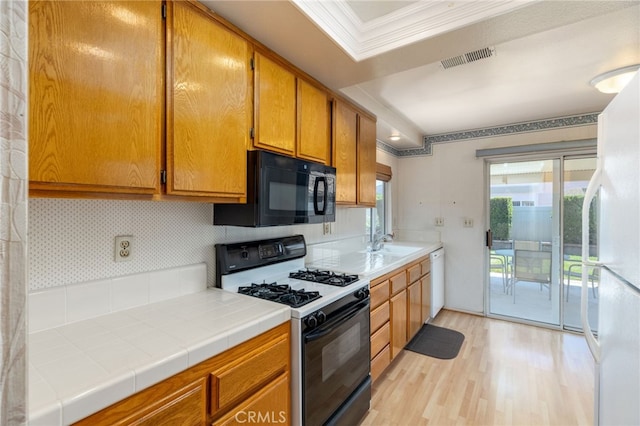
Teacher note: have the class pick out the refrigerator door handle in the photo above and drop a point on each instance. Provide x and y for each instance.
(592, 189)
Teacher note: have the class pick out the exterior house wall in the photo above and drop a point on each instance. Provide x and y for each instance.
(451, 184)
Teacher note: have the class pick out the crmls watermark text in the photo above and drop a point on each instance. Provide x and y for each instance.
(261, 417)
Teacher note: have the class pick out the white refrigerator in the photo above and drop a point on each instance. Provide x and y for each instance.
(617, 347)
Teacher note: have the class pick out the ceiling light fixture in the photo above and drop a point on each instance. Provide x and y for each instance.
(615, 80)
(394, 138)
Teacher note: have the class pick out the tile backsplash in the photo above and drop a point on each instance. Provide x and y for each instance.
(72, 241)
(56, 306)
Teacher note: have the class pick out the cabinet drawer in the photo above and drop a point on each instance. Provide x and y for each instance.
(413, 273)
(379, 316)
(272, 402)
(228, 385)
(380, 362)
(380, 339)
(425, 266)
(379, 294)
(398, 282)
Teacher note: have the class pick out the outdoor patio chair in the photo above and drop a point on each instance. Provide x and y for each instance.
(575, 271)
(526, 245)
(499, 262)
(531, 266)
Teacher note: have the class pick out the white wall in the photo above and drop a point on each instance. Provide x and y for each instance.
(72, 241)
(451, 184)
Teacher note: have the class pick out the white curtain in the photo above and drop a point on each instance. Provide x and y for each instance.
(13, 211)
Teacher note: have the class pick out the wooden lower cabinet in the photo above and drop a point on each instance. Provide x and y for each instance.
(380, 362)
(251, 379)
(425, 283)
(400, 304)
(398, 314)
(414, 309)
(259, 409)
(380, 339)
(379, 316)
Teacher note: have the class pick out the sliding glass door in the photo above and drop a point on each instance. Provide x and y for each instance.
(576, 176)
(533, 263)
(524, 256)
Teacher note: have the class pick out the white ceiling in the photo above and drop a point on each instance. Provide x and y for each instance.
(546, 52)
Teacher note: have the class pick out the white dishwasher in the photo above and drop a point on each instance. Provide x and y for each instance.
(437, 281)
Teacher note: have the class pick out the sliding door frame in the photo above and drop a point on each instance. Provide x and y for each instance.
(533, 156)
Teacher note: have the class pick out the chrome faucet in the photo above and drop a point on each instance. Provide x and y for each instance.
(379, 240)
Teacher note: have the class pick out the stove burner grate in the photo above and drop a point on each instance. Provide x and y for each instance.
(280, 293)
(324, 277)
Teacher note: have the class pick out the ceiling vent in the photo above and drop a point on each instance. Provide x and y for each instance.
(465, 58)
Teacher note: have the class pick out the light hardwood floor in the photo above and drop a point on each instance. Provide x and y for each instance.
(505, 374)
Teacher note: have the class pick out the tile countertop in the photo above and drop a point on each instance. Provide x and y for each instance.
(80, 368)
(354, 258)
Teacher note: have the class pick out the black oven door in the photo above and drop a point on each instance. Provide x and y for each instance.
(336, 361)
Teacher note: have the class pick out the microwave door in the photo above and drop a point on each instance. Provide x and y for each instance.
(280, 193)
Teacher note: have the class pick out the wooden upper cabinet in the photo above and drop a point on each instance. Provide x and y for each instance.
(314, 123)
(366, 161)
(209, 105)
(275, 106)
(345, 134)
(96, 96)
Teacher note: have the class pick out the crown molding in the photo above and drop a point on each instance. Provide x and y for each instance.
(418, 21)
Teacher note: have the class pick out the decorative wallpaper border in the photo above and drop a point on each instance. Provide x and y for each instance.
(526, 127)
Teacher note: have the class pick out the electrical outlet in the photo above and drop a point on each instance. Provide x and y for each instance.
(326, 228)
(123, 248)
(468, 222)
(439, 221)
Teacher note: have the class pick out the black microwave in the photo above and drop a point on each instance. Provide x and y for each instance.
(282, 191)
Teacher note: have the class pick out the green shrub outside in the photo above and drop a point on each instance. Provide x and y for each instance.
(573, 220)
(501, 216)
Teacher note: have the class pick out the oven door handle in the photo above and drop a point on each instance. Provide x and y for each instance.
(334, 323)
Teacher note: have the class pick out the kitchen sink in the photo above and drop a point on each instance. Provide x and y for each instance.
(393, 250)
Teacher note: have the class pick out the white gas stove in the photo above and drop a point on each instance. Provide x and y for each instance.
(330, 355)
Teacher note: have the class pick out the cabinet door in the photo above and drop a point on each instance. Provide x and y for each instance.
(275, 106)
(209, 105)
(96, 96)
(313, 124)
(425, 283)
(398, 322)
(345, 121)
(414, 309)
(366, 161)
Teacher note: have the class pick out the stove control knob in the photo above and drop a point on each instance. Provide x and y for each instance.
(363, 293)
(311, 321)
(322, 317)
(244, 254)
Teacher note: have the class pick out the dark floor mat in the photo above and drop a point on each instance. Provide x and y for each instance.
(437, 342)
